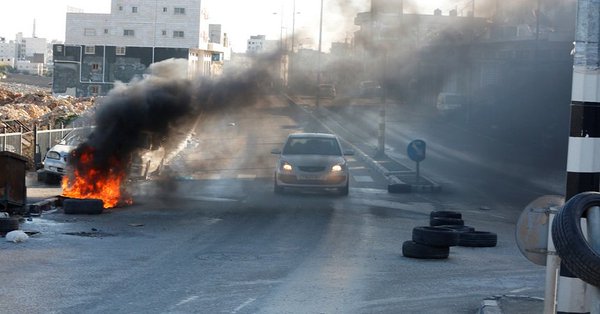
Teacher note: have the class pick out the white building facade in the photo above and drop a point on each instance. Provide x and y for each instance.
(142, 23)
(8, 53)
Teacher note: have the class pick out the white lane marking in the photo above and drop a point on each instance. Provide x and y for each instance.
(243, 305)
(187, 300)
(369, 191)
(210, 199)
(520, 290)
(357, 168)
(420, 208)
(246, 176)
(363, 178)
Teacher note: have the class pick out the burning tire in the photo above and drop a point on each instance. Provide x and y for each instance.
(417, 250)
(83, 206)
(8, 224)
(478, 239)
(575, 251)
(445, 214)
(435, 236)
(440, 221)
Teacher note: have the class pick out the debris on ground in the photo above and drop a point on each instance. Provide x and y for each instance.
(16, 236)
(38, 105)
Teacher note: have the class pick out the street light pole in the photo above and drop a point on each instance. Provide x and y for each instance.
(319, 57)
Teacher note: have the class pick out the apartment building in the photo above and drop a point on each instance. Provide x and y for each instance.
(142, 23)
(101, 49)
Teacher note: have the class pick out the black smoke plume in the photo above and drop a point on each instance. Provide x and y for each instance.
(157, 108)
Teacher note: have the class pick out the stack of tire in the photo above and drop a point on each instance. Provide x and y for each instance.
(446, 229)
(8, 224)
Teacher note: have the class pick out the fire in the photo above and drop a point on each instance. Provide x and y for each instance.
(88, 182)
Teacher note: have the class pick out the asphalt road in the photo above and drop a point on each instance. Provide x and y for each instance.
(215, 239)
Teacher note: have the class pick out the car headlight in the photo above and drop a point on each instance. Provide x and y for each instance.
(337, 168)
(286, 166)
(53, 155)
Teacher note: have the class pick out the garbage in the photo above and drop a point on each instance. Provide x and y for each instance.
(17, 236)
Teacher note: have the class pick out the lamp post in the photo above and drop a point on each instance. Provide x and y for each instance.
(319, 57)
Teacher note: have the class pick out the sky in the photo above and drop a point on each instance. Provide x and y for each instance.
(240, 18)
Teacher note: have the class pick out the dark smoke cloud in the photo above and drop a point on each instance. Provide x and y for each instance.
(162, 105)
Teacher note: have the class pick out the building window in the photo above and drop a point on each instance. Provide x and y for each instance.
(165, 9)
(177, 34)
(59, 48)
(89, 32)
(95, 66)
(90, 50)
(134, 10)
(179, 11)
(164, 32)
(128, 32)
(120, 51)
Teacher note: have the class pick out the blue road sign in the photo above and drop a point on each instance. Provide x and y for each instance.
(416, 150)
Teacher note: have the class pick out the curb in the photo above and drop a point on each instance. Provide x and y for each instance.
(491, 305)
(395, 184)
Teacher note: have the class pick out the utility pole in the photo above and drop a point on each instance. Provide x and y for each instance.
(319, 57)
(583, 164)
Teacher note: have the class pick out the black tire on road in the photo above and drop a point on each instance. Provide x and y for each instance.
(478, 239)
(440, 221)
(8, 224)
(574, 250)
(83, 206)
(458, 228)
(445, 214)
(435, 236)
(416, 250)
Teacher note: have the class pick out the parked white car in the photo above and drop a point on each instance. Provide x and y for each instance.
(55, 161)
(149, 159)
(312, 160)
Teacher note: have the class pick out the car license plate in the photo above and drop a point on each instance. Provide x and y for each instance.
(310, 177)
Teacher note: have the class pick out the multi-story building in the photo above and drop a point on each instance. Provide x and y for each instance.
(259, 43)
(142, 23)
(27, 47)
(101, 49)
(8, 52)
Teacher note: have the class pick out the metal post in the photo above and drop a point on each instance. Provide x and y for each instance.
(319, 57)
(593, 228)
(552, 266)
(583, 165)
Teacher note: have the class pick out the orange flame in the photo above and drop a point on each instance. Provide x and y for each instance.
(94, 184)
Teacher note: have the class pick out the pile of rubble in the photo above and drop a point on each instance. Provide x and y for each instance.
(40, 106)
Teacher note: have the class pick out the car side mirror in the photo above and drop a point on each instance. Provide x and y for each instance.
(349, 152)
(276, 151)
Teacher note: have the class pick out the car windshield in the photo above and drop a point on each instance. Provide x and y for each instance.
(312, 146)
(454, 99)
(76, 136)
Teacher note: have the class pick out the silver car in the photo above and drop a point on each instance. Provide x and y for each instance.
(312, 160)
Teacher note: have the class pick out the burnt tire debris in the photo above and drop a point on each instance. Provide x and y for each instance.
(416, 250)
(440, 221)
(574, 250)
(478, 239)
(446, 229)
(445, 214)
(432, 236)
(83, 206)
